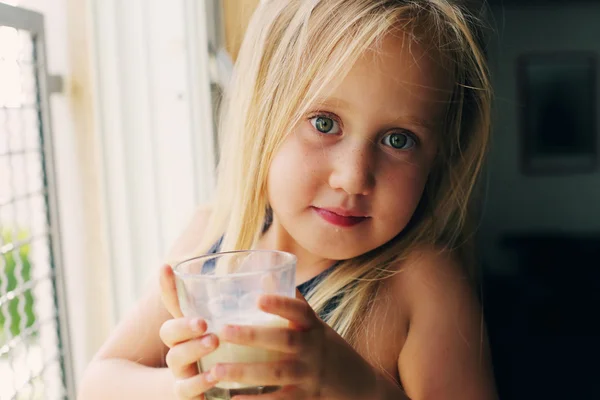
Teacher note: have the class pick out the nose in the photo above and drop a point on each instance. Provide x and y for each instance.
(353, 168)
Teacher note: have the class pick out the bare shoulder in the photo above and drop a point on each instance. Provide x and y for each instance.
(429, 272)
(446, 353)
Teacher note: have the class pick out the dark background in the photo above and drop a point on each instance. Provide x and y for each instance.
(539, 239)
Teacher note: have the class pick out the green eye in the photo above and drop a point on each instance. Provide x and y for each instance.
(399, 141)
(325, 125)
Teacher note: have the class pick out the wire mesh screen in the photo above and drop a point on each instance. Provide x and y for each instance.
(32, 348)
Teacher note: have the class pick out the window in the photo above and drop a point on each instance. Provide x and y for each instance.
(34, 362)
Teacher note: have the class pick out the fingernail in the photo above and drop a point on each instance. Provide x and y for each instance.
(207, 341)
(209, 377)
(265, 301)
(196, 325)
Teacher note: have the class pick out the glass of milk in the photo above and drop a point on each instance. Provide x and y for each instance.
(223, 288)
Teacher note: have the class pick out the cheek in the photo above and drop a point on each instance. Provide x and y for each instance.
(293, 172)
(403, 192)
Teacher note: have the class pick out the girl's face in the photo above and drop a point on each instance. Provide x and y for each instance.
(350, 175)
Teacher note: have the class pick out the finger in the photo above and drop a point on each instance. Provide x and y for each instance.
(168, 291)
(294, 310)
(182, 358)
(179, 330)
(280, 373)
(300, 296)
(283, 340)
(285, 393)
(195, 386)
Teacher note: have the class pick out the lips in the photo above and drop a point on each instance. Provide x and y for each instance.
(340, 217)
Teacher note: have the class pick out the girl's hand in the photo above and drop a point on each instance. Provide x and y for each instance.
(187, 343)
(318, 364)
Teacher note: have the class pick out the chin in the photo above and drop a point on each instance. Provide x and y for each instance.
(337, 250)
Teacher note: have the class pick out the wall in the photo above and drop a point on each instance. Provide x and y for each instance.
(153, 108)
(517, 203)
(236, 16)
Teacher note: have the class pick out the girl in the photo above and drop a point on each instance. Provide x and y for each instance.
(353, 136)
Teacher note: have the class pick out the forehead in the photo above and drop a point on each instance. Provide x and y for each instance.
(397, 76)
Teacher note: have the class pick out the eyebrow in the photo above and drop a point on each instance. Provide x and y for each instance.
(333, 101)
(429, 125)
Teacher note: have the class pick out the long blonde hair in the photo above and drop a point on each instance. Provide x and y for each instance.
(292, 49)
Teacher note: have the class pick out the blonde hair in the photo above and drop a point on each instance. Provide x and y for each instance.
(292, 49)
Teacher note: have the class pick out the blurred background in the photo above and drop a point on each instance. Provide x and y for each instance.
(107, 145)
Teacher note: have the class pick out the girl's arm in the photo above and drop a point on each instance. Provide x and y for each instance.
(131, 363)
(446, 354)
(123, 379)
(112, 375)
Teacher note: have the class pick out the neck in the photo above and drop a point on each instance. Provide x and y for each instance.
(308, 266)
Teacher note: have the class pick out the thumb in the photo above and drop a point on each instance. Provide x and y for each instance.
(300, 296)
(168, 291)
